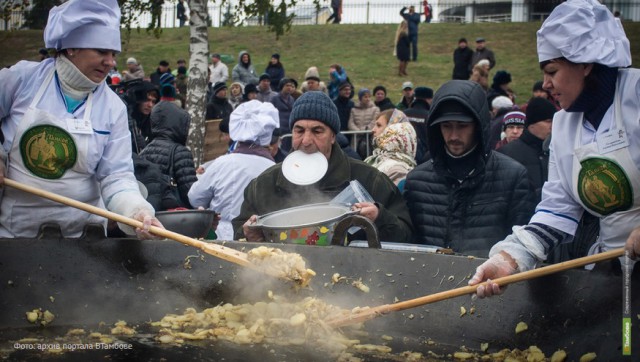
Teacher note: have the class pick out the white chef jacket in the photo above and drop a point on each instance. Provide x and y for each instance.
(104, 176)
(221, 187)
(559, 207)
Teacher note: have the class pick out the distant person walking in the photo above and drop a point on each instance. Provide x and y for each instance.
(336, 6)
(462, 60)
(156, 13)
(482, 52)
(181, 13)
(428, 11)
(413, 20)
(402, 47)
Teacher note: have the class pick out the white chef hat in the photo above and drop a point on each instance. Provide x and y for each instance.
(84, 24)
(584, 31)
(253, 121)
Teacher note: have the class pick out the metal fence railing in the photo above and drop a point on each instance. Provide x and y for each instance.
(372, 12)
(360, 141)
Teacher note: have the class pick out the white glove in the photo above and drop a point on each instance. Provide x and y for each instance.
(499, 265)
(632, 246)
(147, 220)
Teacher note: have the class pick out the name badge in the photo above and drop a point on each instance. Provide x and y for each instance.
(612, 141)
(81, 126)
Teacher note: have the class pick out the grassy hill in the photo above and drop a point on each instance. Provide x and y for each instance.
(365, 50)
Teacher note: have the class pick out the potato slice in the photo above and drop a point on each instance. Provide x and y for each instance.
(521, 327)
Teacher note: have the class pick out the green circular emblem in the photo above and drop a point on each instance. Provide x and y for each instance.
(48, 151)
(604, 187)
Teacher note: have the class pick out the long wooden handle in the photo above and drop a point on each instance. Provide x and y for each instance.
(371, 313)
(218, 251)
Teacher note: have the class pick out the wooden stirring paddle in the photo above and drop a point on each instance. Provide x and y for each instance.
(368, 314)
(219, 251)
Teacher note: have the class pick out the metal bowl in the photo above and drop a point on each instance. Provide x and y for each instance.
(192, 223)
(309, 224)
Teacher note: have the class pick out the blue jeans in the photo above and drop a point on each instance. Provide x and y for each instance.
(413, 38)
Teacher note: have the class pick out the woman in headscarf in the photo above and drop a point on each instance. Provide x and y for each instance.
(64, 129)
(594, 163)
(395, 143)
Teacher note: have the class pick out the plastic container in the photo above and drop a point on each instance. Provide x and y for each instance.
(352, 194)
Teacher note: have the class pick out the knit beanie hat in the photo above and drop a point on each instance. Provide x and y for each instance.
(317, 106)
(539, 109)
(362, 92)
(285, 81)
(167, 78)
(343, 85)
(249, 88)
(513, 117)
(264, 76)
(168, 91)
(218, 87)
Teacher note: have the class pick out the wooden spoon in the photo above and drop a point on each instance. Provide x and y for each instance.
(218, 251)
(367, 314)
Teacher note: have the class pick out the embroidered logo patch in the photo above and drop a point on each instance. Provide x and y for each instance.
(48, 151)
(604, 187)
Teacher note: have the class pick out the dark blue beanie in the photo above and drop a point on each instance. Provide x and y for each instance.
(316, 106)
(168, 90)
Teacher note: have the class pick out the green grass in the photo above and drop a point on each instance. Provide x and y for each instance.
(365, 50)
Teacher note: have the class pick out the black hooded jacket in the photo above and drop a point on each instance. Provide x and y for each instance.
(472, 214)
(170, 127)
(528, 151)
(417, 114)
(159, 193)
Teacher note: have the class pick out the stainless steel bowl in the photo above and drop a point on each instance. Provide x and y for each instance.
(310, 224)
(192, 223)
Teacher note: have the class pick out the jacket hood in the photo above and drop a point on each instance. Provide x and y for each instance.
(243, 52)
(472, 97)
(168, 121)
(237, 83)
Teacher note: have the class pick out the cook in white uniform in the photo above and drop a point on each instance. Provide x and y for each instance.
(64, 129)
(594, 163)
(221, 187)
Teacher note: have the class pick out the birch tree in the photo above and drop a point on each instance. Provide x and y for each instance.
(197, 84)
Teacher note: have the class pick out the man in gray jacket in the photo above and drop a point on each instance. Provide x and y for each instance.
(467, 196)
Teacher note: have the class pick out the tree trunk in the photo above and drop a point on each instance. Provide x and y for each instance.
(197, 84)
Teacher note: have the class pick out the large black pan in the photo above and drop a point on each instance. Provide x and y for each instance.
(95, 280)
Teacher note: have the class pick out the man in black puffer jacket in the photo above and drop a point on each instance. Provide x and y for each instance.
(170, 127)
(467, 196)
(417, 114)
(528, 149)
